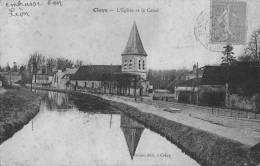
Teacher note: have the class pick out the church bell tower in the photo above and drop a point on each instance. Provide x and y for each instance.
(134, 55)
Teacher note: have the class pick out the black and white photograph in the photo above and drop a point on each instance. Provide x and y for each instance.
(129, 83)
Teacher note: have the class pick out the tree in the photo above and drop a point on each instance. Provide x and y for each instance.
(245, 58)
(22, 68)
(35, 61)
(228, 57)
(7, 68)
(63, 63)
(51, 64)
(253, 48)
(15, 68)
(78, 63)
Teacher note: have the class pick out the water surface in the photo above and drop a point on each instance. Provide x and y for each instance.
(63, 134)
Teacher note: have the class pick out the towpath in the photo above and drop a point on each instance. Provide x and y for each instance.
(243, 129)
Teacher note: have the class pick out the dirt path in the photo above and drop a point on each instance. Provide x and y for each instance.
(2, 90)
(244, 131)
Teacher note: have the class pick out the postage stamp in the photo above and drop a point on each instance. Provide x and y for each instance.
(228, 21)
(202, 32)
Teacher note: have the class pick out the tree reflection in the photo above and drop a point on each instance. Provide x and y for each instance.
(54, 100)
(92, 104)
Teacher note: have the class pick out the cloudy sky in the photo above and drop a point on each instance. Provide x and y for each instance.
(74, 31)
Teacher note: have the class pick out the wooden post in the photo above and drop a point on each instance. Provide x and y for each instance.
(135, 87)
(129, 87)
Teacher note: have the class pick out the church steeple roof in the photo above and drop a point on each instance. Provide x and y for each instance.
(134, 45)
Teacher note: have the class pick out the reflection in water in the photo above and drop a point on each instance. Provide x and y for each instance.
(54, 100)
(132, 131)
(69, 136)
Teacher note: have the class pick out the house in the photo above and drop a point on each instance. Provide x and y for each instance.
(128, 78)
(235, 86)
(195, 73)
(187, 91)
(42, 78)
(212, 89)
(187, 86)
(91, 76)
(61, 78)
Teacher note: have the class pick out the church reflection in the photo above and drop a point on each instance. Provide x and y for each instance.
(132, 131)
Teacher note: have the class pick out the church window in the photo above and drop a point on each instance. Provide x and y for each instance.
(143, 65)
(130, 64)
(125, 64)
(139, 65)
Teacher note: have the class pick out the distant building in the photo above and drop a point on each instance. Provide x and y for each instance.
(212, 89)
(186, 88)
(11, 76)
(61, 78)
(129, 78)
(42, 78)
(195, 73)
(187, 91)
(91, 76)
(235, 86)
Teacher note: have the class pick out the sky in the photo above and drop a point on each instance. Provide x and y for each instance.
(75, 31)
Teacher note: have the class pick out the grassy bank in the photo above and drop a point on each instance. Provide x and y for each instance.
(206, 148)
(17, 107)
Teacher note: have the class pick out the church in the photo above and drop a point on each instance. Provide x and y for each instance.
(129, 78)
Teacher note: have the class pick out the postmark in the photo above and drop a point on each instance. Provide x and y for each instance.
(202, 32)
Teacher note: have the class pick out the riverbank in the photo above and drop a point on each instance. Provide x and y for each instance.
(205, 147)
(17, 107)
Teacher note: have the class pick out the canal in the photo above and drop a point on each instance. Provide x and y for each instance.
(68, 132)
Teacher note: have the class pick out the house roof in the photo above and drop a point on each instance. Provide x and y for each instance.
(242, 77)
(134, 45)
(214, 75)
(94, 72)
(70, 70)
(194, 71)
(190, 83)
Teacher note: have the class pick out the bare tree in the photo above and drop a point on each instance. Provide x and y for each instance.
(253, 48)
(51, 64)
(78, 63)
(35, 61)
(63, 63)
